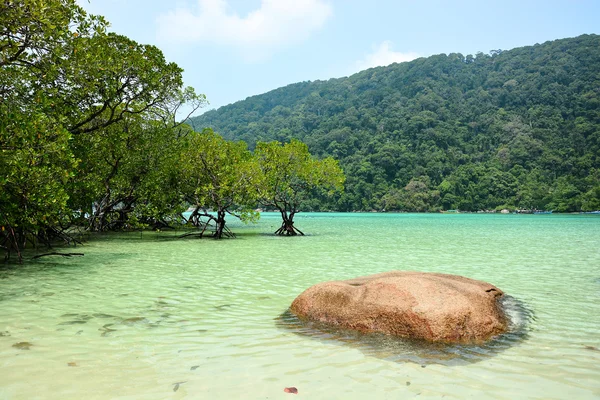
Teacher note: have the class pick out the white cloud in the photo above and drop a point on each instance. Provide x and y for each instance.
(383, 55)
(275, 24)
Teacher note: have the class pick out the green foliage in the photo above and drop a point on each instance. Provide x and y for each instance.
(292, 176)
(35, 165)
(109, 77)
(220, 176)
(35, 155)
(87, 125)
(518, 128)
(128, 174)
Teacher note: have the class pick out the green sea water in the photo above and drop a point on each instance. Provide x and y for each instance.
(146, 316)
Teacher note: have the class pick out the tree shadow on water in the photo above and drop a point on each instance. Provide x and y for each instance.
(417, 351)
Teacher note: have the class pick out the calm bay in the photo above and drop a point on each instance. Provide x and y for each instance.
(147, 316)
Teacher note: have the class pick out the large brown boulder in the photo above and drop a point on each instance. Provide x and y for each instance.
(430, 306)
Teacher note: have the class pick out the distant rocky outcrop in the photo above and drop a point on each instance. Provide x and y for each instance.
(430, 306)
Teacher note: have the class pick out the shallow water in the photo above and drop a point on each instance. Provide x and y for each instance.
(143, 316)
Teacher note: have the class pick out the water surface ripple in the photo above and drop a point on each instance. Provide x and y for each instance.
(143, 316)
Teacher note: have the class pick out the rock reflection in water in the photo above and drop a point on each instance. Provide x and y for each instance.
(417, 351)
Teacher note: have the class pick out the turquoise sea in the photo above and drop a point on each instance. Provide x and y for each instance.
(147, 316)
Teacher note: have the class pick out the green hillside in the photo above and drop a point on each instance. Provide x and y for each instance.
(517, 128)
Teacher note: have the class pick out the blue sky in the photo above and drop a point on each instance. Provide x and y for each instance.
(232, 49)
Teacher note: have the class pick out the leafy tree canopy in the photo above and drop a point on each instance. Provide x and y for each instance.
(220, 176)
(292, 176)
(87, 124)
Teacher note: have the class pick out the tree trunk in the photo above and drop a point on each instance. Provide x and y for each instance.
(287, 225)
(220, 224)
(97, 221)
(11, 241)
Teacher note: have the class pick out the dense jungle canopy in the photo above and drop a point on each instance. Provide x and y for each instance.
(508, 129)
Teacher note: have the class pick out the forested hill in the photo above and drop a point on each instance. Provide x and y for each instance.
(517, 128)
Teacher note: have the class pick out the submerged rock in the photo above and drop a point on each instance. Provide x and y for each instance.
(22, 345)
(75, 322)
(177, 384)
(134, 321)
(430, 306)
(102, 315)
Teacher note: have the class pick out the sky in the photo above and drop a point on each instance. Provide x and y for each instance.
(233, 49)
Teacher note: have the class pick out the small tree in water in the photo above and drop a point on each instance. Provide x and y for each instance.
(292, 175)
(222, 177)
